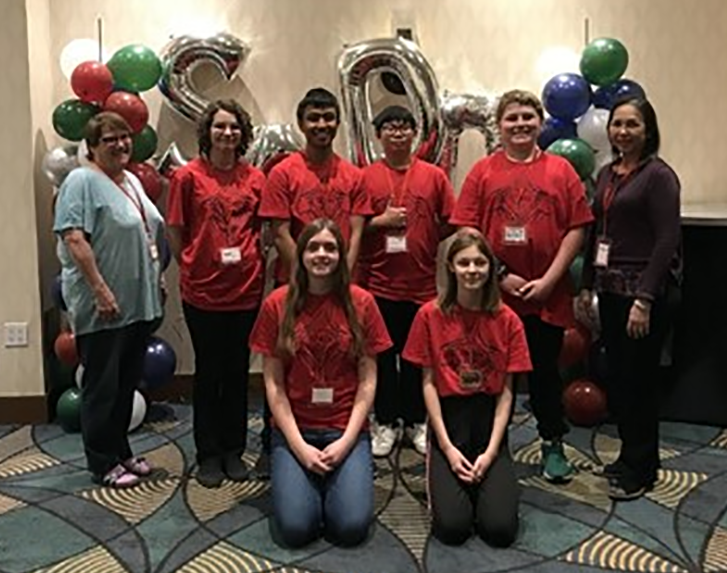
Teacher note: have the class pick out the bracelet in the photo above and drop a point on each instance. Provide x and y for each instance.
(641, 305)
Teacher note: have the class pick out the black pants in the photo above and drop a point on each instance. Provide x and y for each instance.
(544, 382)
(113, 361)
(399, 382)
(633, 382)
(490, 507)
(222, 370)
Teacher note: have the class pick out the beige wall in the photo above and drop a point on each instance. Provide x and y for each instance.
(20, 368)
(473, 45)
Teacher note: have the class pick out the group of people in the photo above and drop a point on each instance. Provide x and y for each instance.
(356, 323)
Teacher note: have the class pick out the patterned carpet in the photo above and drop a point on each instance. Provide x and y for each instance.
(53, 520)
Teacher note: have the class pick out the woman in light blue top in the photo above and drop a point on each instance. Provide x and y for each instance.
(109, 243)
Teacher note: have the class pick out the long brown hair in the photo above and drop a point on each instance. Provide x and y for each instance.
(464, 238)
(298, 289)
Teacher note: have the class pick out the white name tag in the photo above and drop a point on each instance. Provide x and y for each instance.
(322, 396)
(231, 255)
(515, 236)
(153, 251)
(396, 243)
(603, 248)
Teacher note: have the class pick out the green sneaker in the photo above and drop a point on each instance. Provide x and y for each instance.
(556, 467)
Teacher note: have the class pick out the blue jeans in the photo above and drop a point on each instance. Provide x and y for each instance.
(306, 505)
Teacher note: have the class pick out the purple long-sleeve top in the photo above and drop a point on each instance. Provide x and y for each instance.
(643, 226)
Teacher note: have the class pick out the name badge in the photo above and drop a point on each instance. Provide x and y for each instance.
(515, 236)
(470, 380)
(322, 396)
(603, 248)
(396, 243)
(231, 255)
(153, 251)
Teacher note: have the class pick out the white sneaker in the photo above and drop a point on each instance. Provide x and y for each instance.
(383, 438)
(418, 436)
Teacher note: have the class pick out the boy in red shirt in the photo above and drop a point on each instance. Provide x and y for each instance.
(532, 209)
(412, 201)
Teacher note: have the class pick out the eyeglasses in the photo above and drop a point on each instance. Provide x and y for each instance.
(114, 139)
(389, 128)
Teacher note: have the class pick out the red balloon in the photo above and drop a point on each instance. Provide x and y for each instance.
(576, 343)
(92, 82)
(65, 348)
(585, 403)
(129, 106)
(150, 179)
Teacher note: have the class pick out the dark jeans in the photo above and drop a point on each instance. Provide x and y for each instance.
(222, 368)
(633, 382)
(113, 361)
(339, 504)
(491, 507)
(544, 382)
(399, 382)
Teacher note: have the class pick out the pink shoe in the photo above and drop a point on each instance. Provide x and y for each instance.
(138, 466)
(118, 478)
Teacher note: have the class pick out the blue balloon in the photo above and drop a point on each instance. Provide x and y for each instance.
(554, 129)
(160, 362)
(166, 254)
(567, 96)
(606, 96)
(57, 293)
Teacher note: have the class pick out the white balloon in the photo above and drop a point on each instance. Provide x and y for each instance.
(79, 376)
(603, 158)
(138, 412)
(79, 51)
(592, 128)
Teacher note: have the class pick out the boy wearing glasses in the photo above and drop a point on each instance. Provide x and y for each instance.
(412, 201)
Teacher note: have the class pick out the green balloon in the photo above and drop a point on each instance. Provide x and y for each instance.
(68, 410)
(576, 272)
(70, 118)
(135, 68)
(144, 144)
(604, 61)
(578, 153)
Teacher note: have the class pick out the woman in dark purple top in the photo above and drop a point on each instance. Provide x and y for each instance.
(633, 263)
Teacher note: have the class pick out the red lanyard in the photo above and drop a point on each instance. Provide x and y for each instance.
(610, 194)
(398, 193)
(136, 201)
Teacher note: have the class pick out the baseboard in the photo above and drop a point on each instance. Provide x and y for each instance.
(23, 409)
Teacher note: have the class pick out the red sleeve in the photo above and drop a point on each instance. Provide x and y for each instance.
(418, 345)
(467, 211)
(360, 200)
(276, 201)
(181, 188)
(446, 197)
(518, 355)
(374, 329)
(579, 213)
(264, 335)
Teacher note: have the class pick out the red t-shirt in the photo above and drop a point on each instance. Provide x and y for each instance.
(322, 358)
(217, 211)
(427, 194)
(300, 192)
(525, 210)
(469, 351)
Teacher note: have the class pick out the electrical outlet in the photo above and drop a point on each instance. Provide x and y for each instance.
(16, 334)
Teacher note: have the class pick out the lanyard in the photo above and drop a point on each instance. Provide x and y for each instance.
(610, 194)
(136, 202)
(397, 194)
(521, 183)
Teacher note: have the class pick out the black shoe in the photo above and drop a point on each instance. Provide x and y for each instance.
(624, 489)
(209, 472)
(611, 471)
(261, 470)
(235, 468)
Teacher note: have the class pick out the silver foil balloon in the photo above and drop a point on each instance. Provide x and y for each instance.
(358, 65)
(59, 162)
(170, 160)
(271, 143)
(182, 55)
(466, 111)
